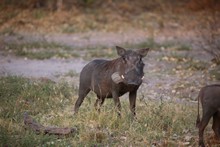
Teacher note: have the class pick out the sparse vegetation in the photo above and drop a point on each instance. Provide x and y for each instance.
(38, 14)
(71, 73)
(100, 53)
(46, 50)
(7, 17)
(36, 45)
(41, 50)
(153, 45)
(197, 65)
(148, 43)
(183, 47)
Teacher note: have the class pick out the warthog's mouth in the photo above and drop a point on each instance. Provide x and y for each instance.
(133, 83)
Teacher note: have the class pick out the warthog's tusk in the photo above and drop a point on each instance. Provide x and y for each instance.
(116, 77)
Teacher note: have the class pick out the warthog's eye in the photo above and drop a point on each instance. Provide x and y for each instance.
(142, 78)
(122, 76)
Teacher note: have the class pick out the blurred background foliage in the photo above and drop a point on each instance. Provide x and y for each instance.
(154, 16)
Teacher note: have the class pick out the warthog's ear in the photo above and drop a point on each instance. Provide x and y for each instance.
(116, 78)
(121, 51)
(143, 52)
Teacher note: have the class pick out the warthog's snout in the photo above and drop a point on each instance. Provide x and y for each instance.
(137, 82)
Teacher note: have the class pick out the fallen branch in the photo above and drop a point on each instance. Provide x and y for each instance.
(30, 123)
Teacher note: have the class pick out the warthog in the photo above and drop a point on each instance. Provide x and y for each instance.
(113, 78)
(210, 100)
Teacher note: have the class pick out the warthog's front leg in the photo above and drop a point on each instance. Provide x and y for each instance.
(132, 99)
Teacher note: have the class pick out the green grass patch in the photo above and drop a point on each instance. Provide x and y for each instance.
(45, 50)
(100, 52)
(110, 52)
(152, 44)
(197, 65)
(69, 29)
(41, 50)
(38, 13)
(215, 73)
(71, 73)
(46, 54)
(9, 15)
(19, 95)
(37, 45)
(183, 47)
(158, 122)
(8, 31)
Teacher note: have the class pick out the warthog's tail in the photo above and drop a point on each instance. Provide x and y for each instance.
(199, 99)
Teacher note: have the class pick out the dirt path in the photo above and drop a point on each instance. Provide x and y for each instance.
(49, 68)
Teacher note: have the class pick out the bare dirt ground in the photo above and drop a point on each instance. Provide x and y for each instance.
(50, 68)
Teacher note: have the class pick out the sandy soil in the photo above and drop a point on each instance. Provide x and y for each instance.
(50, 68)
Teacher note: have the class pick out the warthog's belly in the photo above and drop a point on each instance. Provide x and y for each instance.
(121, 89)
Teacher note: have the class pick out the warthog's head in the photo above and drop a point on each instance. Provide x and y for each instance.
(131, 66)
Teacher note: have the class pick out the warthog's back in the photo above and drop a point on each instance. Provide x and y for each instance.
(91, 67)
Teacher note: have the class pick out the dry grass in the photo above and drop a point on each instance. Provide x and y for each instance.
(116, 16)
(158, 123)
